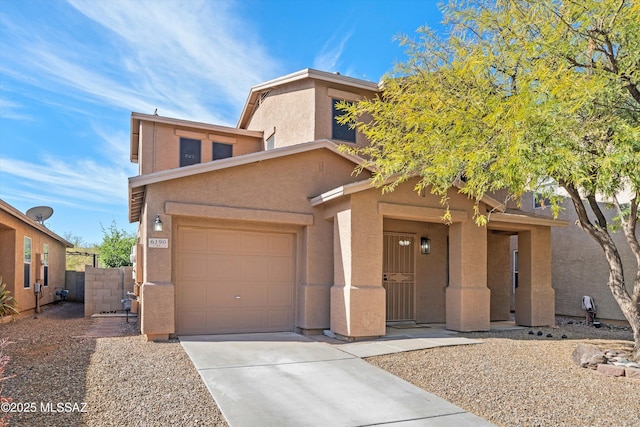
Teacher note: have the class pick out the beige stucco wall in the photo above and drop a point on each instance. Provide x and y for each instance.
(294, 179)
(301, 111)
(290, 111)
(12, 234)
(161, 147)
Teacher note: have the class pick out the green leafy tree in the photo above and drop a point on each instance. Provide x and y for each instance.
(519, 94)
(116, 246)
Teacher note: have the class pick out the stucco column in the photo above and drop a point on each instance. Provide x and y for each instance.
(357, 296)
(157, 293)
(535, 298)
(468, 298)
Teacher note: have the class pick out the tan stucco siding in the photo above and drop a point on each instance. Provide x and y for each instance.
(324, 94)
(12, 234)
(279, 187)
(161, 148)
(289, 110)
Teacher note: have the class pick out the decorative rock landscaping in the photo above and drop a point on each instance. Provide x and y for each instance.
(609, 362)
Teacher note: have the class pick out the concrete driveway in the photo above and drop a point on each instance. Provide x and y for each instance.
(285, 379)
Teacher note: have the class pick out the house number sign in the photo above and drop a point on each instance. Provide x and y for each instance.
(158, 243)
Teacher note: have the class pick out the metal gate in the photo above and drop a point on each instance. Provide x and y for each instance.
(399, 275)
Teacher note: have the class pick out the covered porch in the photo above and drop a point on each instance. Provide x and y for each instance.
(396, 260)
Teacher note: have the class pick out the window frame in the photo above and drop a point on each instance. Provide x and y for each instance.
(45, 265)
(27, 260)
(183, 151)
(341, 132)
(220, 144)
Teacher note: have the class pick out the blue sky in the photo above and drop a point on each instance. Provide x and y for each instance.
(71, 72)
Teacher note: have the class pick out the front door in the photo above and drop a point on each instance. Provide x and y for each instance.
(399, 275)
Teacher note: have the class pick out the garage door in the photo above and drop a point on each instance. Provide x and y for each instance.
(234, 281)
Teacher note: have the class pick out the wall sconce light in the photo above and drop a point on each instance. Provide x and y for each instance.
(425, 245)
(157, 224)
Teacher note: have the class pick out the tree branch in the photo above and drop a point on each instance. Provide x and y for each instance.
(602, 221)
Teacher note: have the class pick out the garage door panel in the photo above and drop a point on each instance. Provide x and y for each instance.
(256, 266)
(193, 266)
(253, 295)
(222, 321)
(192, 294)
(194, 240)
(254, 243)
(221, 295)
(193, 321)
(277, 319)
(279, 295)
(280, 269)
(223, 267)
(223, 241)
(280, 245)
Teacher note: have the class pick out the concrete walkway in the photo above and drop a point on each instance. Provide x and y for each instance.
(285, 379)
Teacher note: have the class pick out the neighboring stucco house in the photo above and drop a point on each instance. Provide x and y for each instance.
(265, 227)
(579, 266)
(30, 253)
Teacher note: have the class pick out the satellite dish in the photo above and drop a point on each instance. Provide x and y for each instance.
(40, 213)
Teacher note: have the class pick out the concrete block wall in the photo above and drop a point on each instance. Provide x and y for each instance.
(105, 288)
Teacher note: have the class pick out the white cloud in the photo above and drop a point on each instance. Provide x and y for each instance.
(192, 59)
(12, 110)
(328, 59)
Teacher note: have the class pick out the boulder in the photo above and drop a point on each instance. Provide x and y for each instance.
(611, 370)
(583, 354)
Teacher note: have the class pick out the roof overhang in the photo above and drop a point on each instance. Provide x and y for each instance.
(137, 184)
(137, 118)
(6, 207)
(307, 73)
(367, 184)
(502, 220)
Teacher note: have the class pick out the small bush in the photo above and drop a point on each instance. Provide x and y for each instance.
(8, 305)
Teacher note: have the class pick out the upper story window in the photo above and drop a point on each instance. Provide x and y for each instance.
(221, 151)
(338, 131)
(190, 151)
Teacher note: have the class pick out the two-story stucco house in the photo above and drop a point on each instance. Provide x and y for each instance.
(265, 227)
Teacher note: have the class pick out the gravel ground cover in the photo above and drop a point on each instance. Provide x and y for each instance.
(511, 379)
(111, 381)
(517, 379)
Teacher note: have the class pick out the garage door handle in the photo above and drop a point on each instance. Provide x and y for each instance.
(237, 296)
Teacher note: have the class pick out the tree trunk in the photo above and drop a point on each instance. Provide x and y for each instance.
(598, 231)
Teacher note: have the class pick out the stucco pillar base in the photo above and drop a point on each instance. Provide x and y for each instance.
(468, 309)
(157, 337)
(157, 306)
(358, 311)
(535, 306)
(314, 303)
